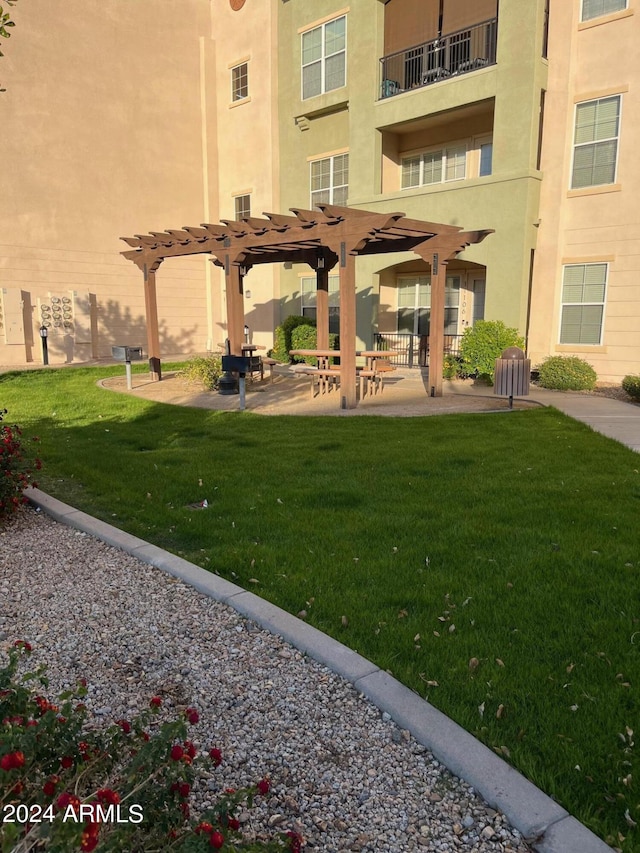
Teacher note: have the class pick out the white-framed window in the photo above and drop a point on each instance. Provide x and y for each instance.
(595, 144)
(584, 288)
(485, 164)
(242, 206)
(434, 167)
(330, 180)
(414, 304)
(309, 301)
(324, 58)
(597, 8)
(240, 82)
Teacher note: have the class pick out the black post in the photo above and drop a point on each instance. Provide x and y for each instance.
(44, 332)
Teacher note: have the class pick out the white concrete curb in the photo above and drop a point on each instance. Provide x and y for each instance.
(546, 826)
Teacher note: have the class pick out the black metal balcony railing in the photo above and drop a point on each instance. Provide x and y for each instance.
(439, 59)
(413, 350)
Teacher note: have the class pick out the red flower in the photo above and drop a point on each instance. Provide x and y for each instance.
(190, 749)
(12, 761)
(155, 702)
(233, 823)
(295, 841)
(125, 725)
(106, 795)
(192, 715)
(203, 827)
(49, 787)
(176, 752)
(23, 644)
(216, 840)
(216, 756)
(183, 789)
(264, 786)
(66, 761)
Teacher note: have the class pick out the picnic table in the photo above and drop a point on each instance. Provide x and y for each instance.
(327, 375)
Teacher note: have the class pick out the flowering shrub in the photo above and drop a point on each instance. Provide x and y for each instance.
(67, 786)
(15, 470)
(567, 373)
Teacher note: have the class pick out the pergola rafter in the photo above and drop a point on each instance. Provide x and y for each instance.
(322, 239)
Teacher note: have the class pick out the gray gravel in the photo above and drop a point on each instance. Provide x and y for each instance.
(343, 775)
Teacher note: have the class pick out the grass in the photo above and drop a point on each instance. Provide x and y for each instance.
(490, 562)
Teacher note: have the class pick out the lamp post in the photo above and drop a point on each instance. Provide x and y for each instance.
(44, 332)
(247, 331)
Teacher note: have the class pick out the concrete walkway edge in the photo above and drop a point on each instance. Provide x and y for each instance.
(546, 826)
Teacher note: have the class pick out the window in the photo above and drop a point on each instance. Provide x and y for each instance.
(324, 56)
(243, 206)
(596, 8)
(308, 299)
(595, 151)
(434, 167)
(583, 295)
(414, 305)
(486, 159)
(330, 180)
(240, 82)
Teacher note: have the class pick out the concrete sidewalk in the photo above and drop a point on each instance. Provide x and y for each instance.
(614, 418)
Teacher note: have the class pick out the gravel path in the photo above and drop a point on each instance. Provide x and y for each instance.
(342, 774)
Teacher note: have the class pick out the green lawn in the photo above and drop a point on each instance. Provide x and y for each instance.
(490, 561)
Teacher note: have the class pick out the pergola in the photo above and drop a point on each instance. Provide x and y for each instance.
(322, 239)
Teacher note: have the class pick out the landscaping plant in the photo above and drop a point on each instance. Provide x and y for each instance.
(567, 373)
(66, 785)
(16, 471)
(631, 384)
(204, 369)
(483, 343)
(283, 336)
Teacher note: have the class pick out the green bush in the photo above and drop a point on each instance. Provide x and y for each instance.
(631, 384)
(483, 343)
(306, 337)
(283, 336)
(207, 370)
(567, 373)
(452, 367)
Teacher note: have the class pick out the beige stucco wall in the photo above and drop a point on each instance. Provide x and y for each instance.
(590, 60)
(117, 121)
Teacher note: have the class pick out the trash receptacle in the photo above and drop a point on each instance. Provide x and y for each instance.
(513, 372)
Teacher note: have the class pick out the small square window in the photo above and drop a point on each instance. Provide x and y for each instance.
(240, 82)
(243, 206)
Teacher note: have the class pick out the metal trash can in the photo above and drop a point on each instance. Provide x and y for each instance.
(513, 373)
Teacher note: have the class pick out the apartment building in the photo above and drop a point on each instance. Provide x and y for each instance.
(427, 107)
(125, 118)
(121, 118)
(586, 283)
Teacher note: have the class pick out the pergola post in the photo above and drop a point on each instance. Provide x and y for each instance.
(322, 308)
(348, 384)
(151, 309)
(233, 276)
(436, 323)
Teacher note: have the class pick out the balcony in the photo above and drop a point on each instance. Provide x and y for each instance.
(442, 58)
